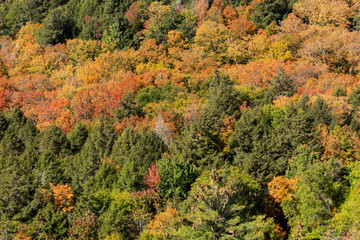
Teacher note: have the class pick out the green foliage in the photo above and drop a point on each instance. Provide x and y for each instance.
(128, 107)
(3, 126)
(16, 190)
(147, 95)
(320, 189)
(187, 24)
(200, 143)
(320, 112)
(218, 207)
(154, 140)
(154, 94)
(346, 220)
(53, 141)
(117, 217)
(50, 222)
(199, 146)
(91, 29)
(354, 97)
(270, 10)
(20, 133)
(120, 35)
(222, 99)
(236, 3)
(283, 85)
(176, 179)
(57, 27)
(161, 24)
(134, 152)
(83, 166)
(77, 137)
(265, 138)
(22, 11)
(340, 92)
(301, 162)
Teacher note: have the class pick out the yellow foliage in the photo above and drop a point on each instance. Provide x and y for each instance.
(212, 38)
(26, 49)
(323, 12)
(341, 143)
(160, 226)
(177, 39)
(279, 50)
(79, 51)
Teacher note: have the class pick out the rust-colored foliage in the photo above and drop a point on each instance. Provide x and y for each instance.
(279, 232)
(132, 14)
(229, 14)
(241, 26)
(152, 178)
(83, 228)
(201, 9)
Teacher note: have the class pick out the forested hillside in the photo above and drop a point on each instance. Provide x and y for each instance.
(179, 119)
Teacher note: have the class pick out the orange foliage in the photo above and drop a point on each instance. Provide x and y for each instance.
(63, 196)
(7, 53)
(211, 37)
(226, 131)
(292, 24)
(53, 57)
(201, 9)
(229, 14)
(95, 100)
(327, 84)
(241, 26)
(282, 188)
(150, 52)
(215, 13)
(78, 51)
(279, 232)
(4, 98)
(26, 82)
(176, 39)
(161, 222)
(255, 73)
(336, 47)
(341, 143)
(136, 122)
(339, 107)
(22, 234)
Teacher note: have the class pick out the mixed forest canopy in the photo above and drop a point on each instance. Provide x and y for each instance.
(179, 119)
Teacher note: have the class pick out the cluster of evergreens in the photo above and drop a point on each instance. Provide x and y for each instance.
(173, 119)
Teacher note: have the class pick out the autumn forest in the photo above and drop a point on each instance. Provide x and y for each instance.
(179, 119)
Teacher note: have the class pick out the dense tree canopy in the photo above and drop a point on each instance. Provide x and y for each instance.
(179, 119)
